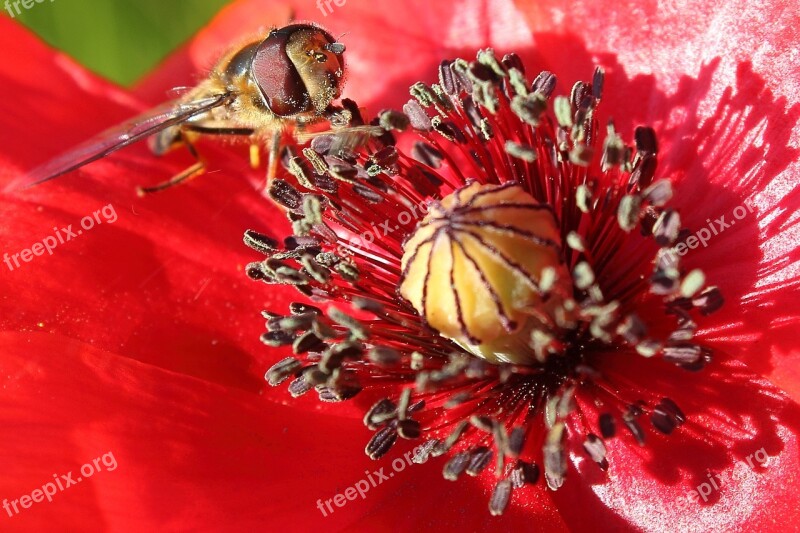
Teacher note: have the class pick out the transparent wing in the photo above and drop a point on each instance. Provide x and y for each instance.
(120, 136)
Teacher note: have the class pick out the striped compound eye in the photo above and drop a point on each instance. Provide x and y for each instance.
(484, 267)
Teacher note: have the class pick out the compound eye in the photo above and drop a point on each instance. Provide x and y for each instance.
(299, 69)
(241, 63)
(278, 78)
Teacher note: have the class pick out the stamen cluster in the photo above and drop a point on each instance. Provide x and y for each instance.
(611, 287)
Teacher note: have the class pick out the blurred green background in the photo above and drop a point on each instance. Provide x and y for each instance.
(118, 39)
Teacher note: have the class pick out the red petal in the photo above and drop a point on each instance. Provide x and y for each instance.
(682, 87)
(195, 455)
(739, 427)
(190, 453)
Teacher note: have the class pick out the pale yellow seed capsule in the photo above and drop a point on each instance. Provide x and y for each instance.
(472, 269)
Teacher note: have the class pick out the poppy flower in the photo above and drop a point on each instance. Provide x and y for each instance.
(139, 335)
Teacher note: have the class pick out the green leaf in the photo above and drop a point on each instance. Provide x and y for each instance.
(120, 39)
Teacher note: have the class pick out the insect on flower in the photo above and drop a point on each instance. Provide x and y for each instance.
(497, 315)
(259, 91)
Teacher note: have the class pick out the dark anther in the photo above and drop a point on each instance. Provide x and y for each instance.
(447, 78)
(307, 342)
(393, 120)
(255, 271)
(456, 466)
(673, 410)
(325, 183)
(596, 449)
(348, 350)
(291, 323)
(368, 304)
(644, 171)
(386, 157)
(580, 96)
(607, 426)
(380, 413)
(702, 361)
(355, 112)
(646, 140)
(598, 80)
(286, 195)
(633, 425)
(500, 497)
(516, 441)
(662, 421)
(482, 73)
(709, 300)
(299, 308)
(297, 242)
(409, 429)
(314, 376)
(282, 370)
(276, 339)
(472, 111)
(683, 353)
(554, 455)
(260, 242)
(479, 460)
(448, 130)
(299, 386)
(667, 227)
(512, 60)
(417, 116)
(383, 356)
(321, 145)
(545, 83)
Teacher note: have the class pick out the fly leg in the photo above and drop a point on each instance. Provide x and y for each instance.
(274, 156)
(198, 168)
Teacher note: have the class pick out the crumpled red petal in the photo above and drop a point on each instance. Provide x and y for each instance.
(169, 284)
(193, 455)
(742, 433)
(721, 91)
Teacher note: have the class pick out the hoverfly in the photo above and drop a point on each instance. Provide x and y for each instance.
(287, 81)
